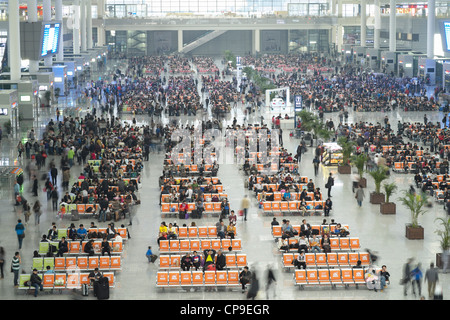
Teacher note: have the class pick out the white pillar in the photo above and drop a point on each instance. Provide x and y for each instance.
(59, 17)
(339, 8)
(100, 28)
(33, 17)
(89, 24)
(256, 41)
(47, 16)
(180, 40)
(377, 26)
(76, 26)
(392, 26)
(430, 28)
(14, 39)
(83, 25)
(363, 22)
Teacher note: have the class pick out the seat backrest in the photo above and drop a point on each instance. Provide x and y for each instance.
(203, 232)
(288, 259)
(174, 277)
(324, 275)
(236, 244)
(174, 245)
(182, 232)
(197, 277)
(82, 263)
(215, 244)
(48, 280)
(116, 262)
(164, 261)
(175, 260)
(233, 277)
(210, 277)
(311, 275)
(221, 277)
(346, 274)
(354, 243)
(344, 243)
(93, 262)
(335, 275)
(332, 258)
(300, 276)
(241, 259)
(212, 231)
(230, 260)
(185, 245)
(358, 274)
(353, 258)
(364, 257)
(226, 243)
(60, 263)
(193, 232)
(186, 278)
(321, 259)
(195, 244)
(162, 278)
(104, 263)
(276, 231)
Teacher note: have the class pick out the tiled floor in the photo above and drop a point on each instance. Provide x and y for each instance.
(137, 281)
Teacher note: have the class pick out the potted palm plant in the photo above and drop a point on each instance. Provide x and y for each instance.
(347, 149)
(388, 207)
(359, 161)
(378, 176)
(415, 203)
(312, 123)
(444, 240)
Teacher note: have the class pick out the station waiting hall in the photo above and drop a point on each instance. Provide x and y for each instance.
(227, 150)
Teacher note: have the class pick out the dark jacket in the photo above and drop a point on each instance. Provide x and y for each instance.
(221, 261)
(35, 279)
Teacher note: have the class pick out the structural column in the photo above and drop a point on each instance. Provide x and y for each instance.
(89, 24)
(256, 41)
(363, 22)
(100, 28)
(339, 8)
(47, 17)
(59, 17)
(76, 26)
(392, 26)
(430, 28)
(83, 25)
(180, 40)
(14, 39)
(33, 17)
(377, 26)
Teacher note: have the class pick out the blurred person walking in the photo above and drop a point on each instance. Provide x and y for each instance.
(431, 276)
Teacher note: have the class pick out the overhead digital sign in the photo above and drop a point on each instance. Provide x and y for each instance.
(50, 39)
(446, 36)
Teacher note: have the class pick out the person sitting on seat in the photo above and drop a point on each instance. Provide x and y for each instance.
(106, 247)
(63, 247)
(81, 232)
(186, 262)
(89, 248)
(209, 258)
(300, 262)
(36, 282)
(221, 261)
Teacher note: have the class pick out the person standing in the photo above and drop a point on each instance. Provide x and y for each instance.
(55, 196)
(431, 276)
(20, 231)
(2, 262)
(359, 195)
(299, 153)
(271, 282)
(416, 275)
(316, 163)
(54, 174)
(329, 184)
(245, 205)
(406, 276)
(35, 186)
(15, 268)
(37, 212)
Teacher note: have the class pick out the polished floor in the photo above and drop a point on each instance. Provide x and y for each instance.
(384, 234)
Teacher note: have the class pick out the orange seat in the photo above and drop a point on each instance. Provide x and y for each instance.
(185, 245)
(164, 246)
(71, 263)
(354, 243)
(344, 244)
(276, 231)
(276, 207)
(312, 276)
(210, 278)
(364, 257)
(84, 278)
(205, 243)
(174, 278)
(48, 280)
(353, 258)
(182, 232)
(73, 280)
(93, 262)
(185, 278)
(343, 259)
(334, 243)
(212, 231)
(203, 232)
(82, 263)
(332, 259)
(116, 262)
(324, 276)
(174, 245)
(335, 276)
(175, 260)
(60, 263)
(197, 278)
(358, 276)
(215, 244)
(164, 261)
(74, 247)
(221, 277)
(104, 263)
(233, 277)
(217, 207)
(162, 279)
(230, 260)
(310, 259)
(300, 277)
(321, 259)
(347, 276)
(288, 259)
(226, 243)
(61, 277)
(193, 232)
(241, 259)
(195, 244)
(236, 244)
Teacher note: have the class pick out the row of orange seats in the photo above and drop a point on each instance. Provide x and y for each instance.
(190, 245)
(337, 243)
(274, 207)
(67, 280)
(330, 259)
(277, 230)
(78, 263)
(330, 277)
(233, 260)
(197, 278)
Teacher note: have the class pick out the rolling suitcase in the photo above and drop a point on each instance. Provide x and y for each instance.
(74, 215)
(101, 288)
(84, 290)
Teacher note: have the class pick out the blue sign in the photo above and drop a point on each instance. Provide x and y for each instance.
(298, 103)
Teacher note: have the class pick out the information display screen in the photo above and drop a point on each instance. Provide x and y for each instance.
(50, 39)
(447, 35)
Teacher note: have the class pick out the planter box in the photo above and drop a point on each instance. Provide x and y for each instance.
(363, 182)
(377, 198)
(346, 169)
(439, 261)
(388, 208)
(414, 233)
